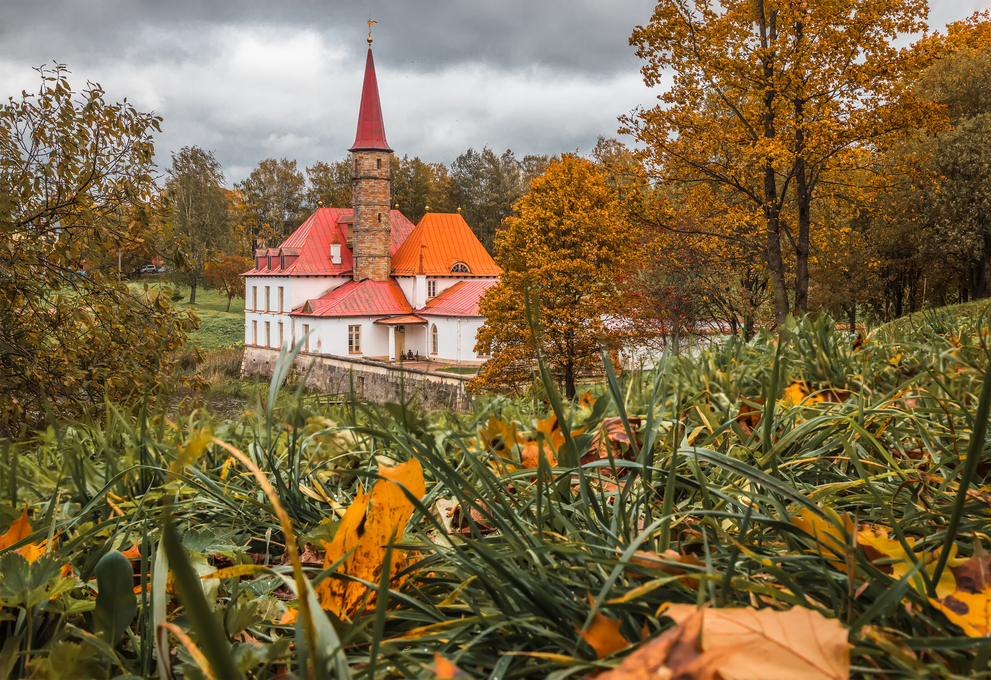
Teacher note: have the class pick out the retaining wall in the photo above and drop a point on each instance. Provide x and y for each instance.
(373, 381)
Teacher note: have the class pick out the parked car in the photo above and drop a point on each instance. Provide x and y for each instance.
(149, 269)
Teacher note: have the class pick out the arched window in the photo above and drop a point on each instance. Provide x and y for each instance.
(460, 268)
(433, 339)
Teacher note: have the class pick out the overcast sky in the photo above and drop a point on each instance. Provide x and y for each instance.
(271, 78)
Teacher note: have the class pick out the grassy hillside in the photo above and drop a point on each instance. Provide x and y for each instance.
(219, 329)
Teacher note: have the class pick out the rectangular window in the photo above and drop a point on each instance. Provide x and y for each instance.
(254, 298)
(268, 333)
(354, 339)
(268, 299)
(254, 332)
(281, 340)
(306, 338)
(431, 289)
(282, 299)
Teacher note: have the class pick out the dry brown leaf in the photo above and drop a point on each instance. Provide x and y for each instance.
(772, 644)
(652, 560)
(676, 654)
(969, 605)
(611, 438)
(604, 636)
(372, 521)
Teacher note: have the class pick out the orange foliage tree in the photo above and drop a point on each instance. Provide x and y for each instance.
(567, 247)
(772, 106)
(224, 274)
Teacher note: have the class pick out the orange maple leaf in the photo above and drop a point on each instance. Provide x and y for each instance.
(369, 524)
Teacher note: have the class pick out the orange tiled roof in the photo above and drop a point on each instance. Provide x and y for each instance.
(448, 240)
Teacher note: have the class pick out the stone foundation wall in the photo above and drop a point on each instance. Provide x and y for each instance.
(373, 381)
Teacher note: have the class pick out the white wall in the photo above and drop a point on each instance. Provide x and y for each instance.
(455, 337)
(330, 336)
(296, 291)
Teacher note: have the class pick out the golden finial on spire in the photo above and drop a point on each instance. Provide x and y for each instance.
(370, 24)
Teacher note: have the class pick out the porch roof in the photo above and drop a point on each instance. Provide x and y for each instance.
(405, 320)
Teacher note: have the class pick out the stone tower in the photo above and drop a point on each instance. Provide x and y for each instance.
(371, 155)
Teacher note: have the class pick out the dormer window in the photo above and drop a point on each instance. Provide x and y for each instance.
(282, 261)
(460, 268)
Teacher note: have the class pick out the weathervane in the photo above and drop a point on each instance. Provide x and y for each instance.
(370, 24)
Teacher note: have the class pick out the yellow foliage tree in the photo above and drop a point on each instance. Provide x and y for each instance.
(567, 247)
(776, 103)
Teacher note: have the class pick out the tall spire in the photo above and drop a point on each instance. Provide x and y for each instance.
(371, 129)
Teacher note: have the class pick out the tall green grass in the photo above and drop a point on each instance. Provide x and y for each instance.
(532, 555)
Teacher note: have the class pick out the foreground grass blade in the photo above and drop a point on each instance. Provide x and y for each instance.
(974, 454)
(211, 636)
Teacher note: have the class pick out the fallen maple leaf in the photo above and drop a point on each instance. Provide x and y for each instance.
(969, 604)
(445, 669)
(769, 644)
(370, 523)
(20, 529)
(652, 560)
(612, 438)
(132, 553)
(675, 654)
(604, 636)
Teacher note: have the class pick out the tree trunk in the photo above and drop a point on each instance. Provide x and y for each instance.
(229, 303)
(772, 211)
(569, 380)
(192, 293)
(804, 199)
(851, 315)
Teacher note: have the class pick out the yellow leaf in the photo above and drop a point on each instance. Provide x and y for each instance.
(445, 669)
(236, 570)
(604, 636)
(289, 617)
(368, 525)
(969, 604)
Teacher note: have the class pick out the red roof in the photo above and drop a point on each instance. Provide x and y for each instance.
(446, 240)
(359, 298)
(313, 239)
(371, 128)
(461, 299)
(404, 320)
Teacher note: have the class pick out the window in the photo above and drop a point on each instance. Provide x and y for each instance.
(433, 339)
(254, 332)
(254, 298)
(378, 163)
(281, 340)
(460, 268)
(431, 289)
(268, 333)
(268, 299)
(354, 339)
(282, 261)
(306, 338)
(282, 299)
(356, 165)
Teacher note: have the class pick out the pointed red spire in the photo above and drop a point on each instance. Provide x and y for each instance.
(371, 129)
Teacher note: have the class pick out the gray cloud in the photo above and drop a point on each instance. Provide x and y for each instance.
(256, 78)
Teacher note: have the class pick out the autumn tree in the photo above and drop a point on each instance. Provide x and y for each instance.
(330, 184)
(274, 194)
(199, 212)
(777, 103)
(565, 248)
(77, 186)
(224, 274)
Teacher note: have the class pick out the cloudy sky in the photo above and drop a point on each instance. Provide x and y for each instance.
(259, 78)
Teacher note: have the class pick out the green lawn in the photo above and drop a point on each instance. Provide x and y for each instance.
(460, 370)
(218, 329)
